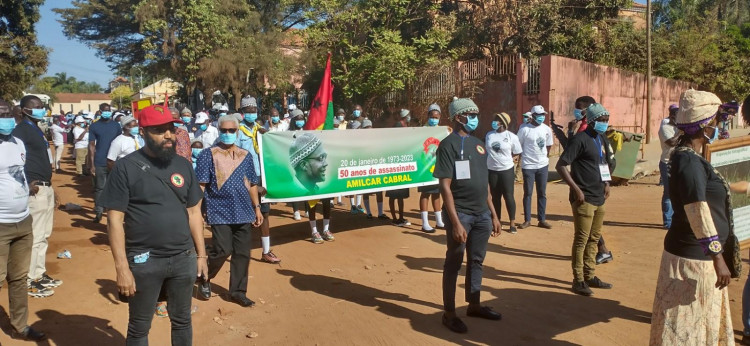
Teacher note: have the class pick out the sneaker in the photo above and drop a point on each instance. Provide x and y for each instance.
(36, 290)
(598, 283)
(328, 236)
(512, 230)
(602, 258)
(49, 282)
(316, 238)
(361, 210)
(545, 224)
(397, 223)
(524, 225)
(297, 216)
(369, 216)
(383, 217)
(269, 257)
(161, 309)
(582, 288)
(353, 210)
(28, 334)
(406, 222)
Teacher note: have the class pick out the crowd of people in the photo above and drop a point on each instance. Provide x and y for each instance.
(160, 177)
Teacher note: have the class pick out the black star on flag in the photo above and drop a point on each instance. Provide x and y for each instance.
(316, 103)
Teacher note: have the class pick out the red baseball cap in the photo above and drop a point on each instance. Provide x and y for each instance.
(156, 115)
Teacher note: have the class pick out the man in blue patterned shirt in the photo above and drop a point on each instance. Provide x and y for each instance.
(228, 175)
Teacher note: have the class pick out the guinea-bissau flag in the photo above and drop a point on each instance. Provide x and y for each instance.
(321, 112)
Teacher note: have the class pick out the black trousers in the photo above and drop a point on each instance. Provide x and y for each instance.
(501, 185)
(231, 240)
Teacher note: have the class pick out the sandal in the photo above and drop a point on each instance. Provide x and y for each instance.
(161, 309)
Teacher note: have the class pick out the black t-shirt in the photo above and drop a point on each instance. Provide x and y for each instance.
(692, 179)
(584, 153)
(469, 195)
(37, 165)
(155, 219)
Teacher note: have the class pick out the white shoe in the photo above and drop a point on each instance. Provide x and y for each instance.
(297, 216)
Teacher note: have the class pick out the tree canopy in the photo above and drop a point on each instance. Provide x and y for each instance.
(22, 60)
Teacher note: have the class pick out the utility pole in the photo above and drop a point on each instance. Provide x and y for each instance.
(648, 73)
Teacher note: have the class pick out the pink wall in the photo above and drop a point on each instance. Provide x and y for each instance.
(622, 92)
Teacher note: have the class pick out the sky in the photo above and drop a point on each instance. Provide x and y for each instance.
(73, 57)
(69, 56)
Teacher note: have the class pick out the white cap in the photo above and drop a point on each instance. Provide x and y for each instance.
(224, 108)
(292, 107)
(201, 117)
(88, 116)
(527, 115)
(538, 109)
(79, 119)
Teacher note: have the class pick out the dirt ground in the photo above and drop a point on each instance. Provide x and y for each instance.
(377, 284)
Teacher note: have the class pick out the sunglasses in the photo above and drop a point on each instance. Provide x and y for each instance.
(227, 130)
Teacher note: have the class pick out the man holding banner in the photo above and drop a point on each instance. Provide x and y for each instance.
(462, 169)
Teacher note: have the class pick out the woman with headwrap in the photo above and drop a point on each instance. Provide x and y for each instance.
(692, 303)
(502, 147)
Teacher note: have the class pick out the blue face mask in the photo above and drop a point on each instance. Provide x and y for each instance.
(540, 119)
(7, 125)
(357, 113)
(186, 120)
(38, 113)
(177, 124)
(714, 138)
(203, 127)
(600, 126)
(578, 114)
(275, 120)
(134, 131)
(222, 114)
(228, 138)
(251, 117)
(433, 121)
(471, 124)
(106, 114)
(299, 123)
(525, 120)
(196, 151)
(495, 125)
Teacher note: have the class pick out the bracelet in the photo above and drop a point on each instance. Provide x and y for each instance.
(201, 256)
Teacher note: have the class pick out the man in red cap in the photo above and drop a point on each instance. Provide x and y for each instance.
(155, 228)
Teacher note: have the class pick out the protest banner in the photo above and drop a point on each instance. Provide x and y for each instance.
(309, 165)
(731, 158)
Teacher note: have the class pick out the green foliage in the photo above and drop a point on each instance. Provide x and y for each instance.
(22, 60)
(378, 46)
(61, 83)
(121, 96)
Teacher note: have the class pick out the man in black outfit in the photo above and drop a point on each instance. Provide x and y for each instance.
(461, 168)
(157, 196)
(591, 163)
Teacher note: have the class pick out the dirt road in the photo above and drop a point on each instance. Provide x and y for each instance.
(377, 284)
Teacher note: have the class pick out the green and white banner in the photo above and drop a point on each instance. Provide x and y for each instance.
(308, 165)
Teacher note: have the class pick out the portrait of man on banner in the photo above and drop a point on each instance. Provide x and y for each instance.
(308, 160)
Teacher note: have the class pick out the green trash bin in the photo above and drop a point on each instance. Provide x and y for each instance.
(627, 157)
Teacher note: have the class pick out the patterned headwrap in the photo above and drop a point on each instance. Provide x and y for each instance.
(697, 109)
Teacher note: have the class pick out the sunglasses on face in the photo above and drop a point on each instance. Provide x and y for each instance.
(227, 130)
(161, 129)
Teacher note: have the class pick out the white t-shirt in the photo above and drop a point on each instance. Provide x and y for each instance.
(500, 149)
(14, 201)
(209, 136)
(83, 143)
(534, 142)
(666, 131)
(58, 135)
(123, 145)
(280, 126)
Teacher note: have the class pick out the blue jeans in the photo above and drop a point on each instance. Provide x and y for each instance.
(177, 274)
(538, 176)
(478, 229)
(666, 203)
